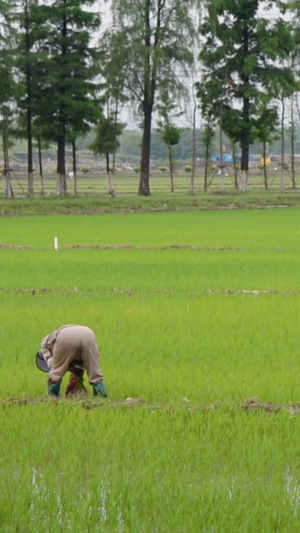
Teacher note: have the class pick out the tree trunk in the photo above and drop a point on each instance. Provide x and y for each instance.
(236, 185)
(144, 186)
(7, 181)
(205, 173)
(41, 165)
(30, 159)
(74, 166)
(113, 183)
(30, 183)
(221, 154)
(265, 166)
(171, 168)
(108, 175)
(61, 142)
(28, 107)
(244, 166)
(245, 146)
(246, 118)
(61, 169)
(293, 144)
(282, 184)
(192, 188)
(207, 147)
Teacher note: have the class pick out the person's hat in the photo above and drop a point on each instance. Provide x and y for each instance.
(41, 363)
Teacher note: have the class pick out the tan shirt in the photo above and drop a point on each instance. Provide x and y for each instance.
(48, 342)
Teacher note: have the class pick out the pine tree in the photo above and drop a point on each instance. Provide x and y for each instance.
(67, 68)
(25, 58)
(7, 89)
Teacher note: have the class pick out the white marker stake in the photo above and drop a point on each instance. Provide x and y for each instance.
(55, 243)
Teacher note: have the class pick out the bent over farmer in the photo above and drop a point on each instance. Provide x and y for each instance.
(71, 348)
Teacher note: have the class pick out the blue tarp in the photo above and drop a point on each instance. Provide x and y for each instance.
(228, 158)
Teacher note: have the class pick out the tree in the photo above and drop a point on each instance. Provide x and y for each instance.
(243, 56)
(170, 134)
(266, 131)
(7, 90)
(295, 65)
(106, 143)
(5, 123)
(156, 37)
(26, 35)
(292, 132)
(41, 144)
(207, 136)
(194, 142)
(114, 74)
(67, 70)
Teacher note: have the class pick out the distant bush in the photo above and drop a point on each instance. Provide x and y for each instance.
(188, 168)
(85, 170)
(137, 169)
(163, 169)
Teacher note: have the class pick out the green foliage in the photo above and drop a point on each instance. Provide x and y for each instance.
(71, 68)
(85, 170)
(155, 37)
(243, 57)
(208, 135)
(65, 70)
(106, 139)
(170, 135)
(188, 168)
(163, 169)
(266, 125)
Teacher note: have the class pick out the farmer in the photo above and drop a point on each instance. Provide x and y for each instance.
(71, 348)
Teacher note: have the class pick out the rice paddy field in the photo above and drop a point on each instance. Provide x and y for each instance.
(197, 319)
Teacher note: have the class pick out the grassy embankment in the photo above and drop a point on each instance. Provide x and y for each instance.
(156, 202)
(165, 294)
(92, 195)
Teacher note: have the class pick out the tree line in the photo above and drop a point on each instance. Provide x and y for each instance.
(226, 60)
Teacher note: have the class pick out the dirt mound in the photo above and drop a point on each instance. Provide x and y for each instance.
(255, 404)
(13, 247)
(250, 405)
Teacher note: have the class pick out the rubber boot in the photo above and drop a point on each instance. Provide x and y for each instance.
(53, 388)
(99, 389)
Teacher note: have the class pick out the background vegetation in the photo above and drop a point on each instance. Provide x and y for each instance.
(66, 73)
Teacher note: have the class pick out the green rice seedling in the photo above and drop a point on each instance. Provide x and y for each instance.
(148, 470)
(196, 315)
